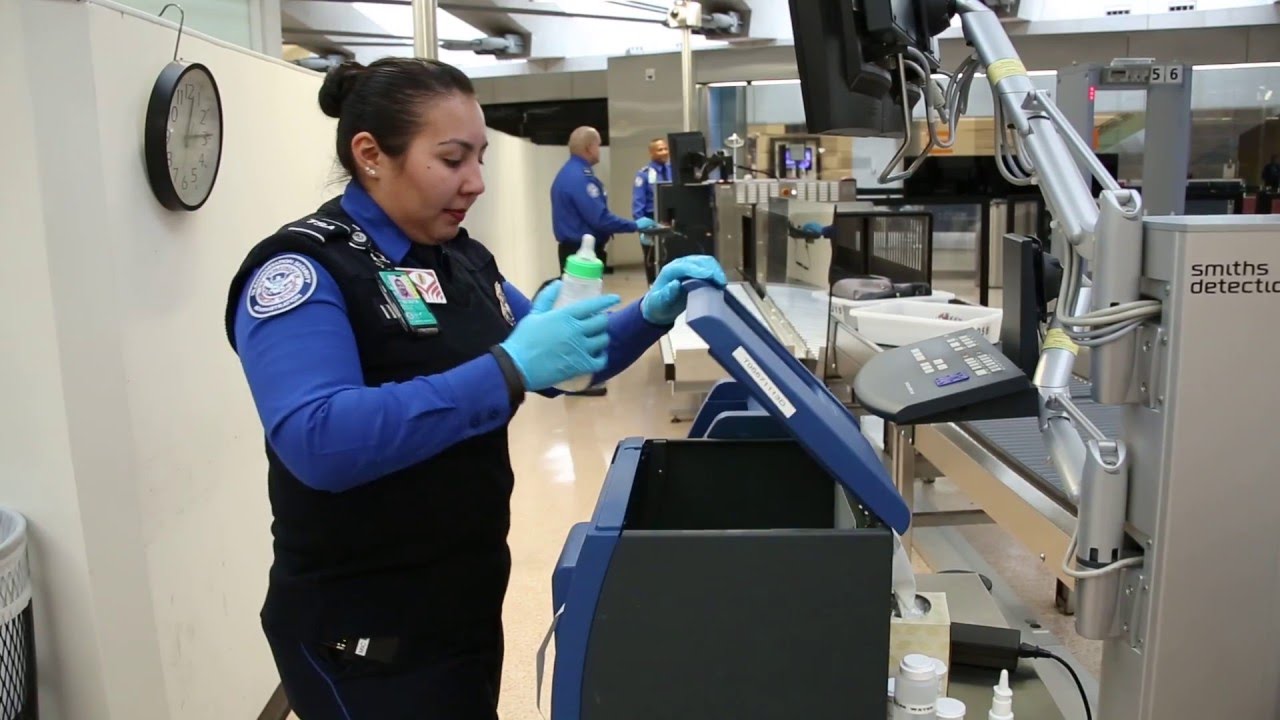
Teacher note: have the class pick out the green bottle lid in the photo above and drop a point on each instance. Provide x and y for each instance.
(584, 263)
(588, 268)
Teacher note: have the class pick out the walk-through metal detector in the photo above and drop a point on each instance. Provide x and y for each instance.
(1168, 127)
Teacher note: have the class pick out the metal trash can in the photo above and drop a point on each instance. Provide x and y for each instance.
(17, 624)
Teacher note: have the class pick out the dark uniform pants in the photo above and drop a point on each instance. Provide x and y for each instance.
(650, 260)
(323, 685)
(566, 249)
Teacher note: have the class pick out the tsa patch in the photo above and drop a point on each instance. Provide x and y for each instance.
(281, 285)
(509, 316)
(639, 181)
(592, 190)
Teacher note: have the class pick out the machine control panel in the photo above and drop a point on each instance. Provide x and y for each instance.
(955, 377)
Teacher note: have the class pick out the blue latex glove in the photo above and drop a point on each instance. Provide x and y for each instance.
(551, 346)
(645, 223)
(814, 229)
(666, 299)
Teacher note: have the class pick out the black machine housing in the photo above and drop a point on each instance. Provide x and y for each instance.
(843, 55)
(745, 584)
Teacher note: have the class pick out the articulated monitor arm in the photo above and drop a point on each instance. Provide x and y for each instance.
(1102, 309)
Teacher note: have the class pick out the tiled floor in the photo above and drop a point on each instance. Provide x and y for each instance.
(560, 450)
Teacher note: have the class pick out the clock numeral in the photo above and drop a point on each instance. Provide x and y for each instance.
(180, 97)
(205, 139)
(173, 113)
(202, 163)
(191, 93)
(184, 183)
(204, 114)
(168, 158)
(194, 177)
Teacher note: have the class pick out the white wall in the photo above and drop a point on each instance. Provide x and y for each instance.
(36, 473)
(133, 447)
(513, 217)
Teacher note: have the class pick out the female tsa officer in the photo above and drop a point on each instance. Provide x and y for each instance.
(386, 411)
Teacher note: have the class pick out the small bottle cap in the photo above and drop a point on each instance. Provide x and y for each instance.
(918, 667)
(950, 709)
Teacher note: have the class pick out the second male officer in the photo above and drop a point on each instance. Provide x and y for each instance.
(642, 198)
(579, 203)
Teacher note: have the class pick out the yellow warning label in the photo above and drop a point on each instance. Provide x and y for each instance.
(1002, 69)
(1056, 339)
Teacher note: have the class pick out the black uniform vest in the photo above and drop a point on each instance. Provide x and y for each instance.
(423, 549)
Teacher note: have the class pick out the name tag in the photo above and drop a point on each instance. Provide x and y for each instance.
(415, 316)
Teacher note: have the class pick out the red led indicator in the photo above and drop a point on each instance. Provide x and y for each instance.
(1093, 93)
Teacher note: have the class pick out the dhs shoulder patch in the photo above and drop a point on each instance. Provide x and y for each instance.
(593, 191)
(281, 285)
(639, 180)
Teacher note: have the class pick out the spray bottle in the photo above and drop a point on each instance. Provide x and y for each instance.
(583, 279)
(1001, 699)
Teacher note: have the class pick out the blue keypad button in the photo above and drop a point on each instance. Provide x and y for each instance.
(951, 379)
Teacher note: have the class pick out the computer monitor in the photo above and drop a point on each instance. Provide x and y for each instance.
(688, 155)
(843, 54)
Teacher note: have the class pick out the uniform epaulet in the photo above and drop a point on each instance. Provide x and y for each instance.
(320, 228)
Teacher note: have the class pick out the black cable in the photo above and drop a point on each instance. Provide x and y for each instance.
(765, 173)
(1033, 651)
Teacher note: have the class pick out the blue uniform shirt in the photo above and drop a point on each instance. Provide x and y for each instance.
(580, 205)
(334, 432)
(642, 195)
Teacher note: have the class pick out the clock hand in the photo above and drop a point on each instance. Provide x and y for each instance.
(190, 116)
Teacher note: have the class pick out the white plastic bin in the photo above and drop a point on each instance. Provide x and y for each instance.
(904, 322)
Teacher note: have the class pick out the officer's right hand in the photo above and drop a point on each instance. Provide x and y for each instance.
(645, 223)
(552, 346)
(813, 229)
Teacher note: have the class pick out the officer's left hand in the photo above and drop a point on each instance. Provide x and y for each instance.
(666, 299)
(645, 223)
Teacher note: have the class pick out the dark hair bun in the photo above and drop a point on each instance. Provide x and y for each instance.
(338, 83)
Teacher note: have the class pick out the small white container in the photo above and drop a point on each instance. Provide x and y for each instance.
(915, 694)
(951, 709)
(904, 322)
(940, 668)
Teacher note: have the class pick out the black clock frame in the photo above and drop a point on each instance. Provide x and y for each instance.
(154, 140)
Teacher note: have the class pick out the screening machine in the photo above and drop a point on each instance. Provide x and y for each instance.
(743, 572)
(1173, 497)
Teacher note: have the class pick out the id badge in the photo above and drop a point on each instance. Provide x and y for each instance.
(414, 313)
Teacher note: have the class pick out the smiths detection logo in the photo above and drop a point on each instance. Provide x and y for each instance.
(1238, 278)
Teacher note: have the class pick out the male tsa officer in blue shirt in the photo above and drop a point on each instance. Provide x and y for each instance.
(579, 203)
(642, 198)
(386, 354)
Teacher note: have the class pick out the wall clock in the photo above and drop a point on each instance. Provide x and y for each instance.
(183, 136)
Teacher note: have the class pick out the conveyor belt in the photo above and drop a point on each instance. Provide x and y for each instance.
(806, 310)
(1020, 442)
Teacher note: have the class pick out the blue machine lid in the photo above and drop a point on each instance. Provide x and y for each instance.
(827, 430)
